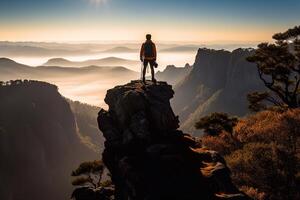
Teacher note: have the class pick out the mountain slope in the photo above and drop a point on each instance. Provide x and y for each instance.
(39, 142)
(218, 82)
(86, 120)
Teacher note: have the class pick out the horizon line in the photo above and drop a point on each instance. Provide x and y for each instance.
(137, 41)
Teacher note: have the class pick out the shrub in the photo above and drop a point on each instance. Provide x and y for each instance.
(269, 157)
(264, 155)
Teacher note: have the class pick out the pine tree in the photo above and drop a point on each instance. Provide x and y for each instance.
(278, 67)
(215, 123)
(89, 174)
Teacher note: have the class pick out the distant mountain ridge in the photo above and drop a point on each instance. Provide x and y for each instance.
(15, 70)
(109, 61)
(182, 48)
(218, 82)
(121, 49)
(25, 50)
(173, 74)
(6, 62)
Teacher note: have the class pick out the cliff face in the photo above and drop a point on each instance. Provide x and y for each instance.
(86, 121)
(39, 143)
(219, 82)
(149, 158)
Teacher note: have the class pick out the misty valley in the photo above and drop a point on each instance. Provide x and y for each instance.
(102, 66)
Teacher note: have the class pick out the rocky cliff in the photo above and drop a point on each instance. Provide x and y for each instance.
(39, 142)
(219, 82)
(149, 158)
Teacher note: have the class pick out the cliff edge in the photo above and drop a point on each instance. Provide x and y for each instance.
(149, 158)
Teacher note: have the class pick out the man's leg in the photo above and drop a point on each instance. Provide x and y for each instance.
(144, 69)
(152, 63)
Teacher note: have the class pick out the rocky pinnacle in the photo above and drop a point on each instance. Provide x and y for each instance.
(149, 158)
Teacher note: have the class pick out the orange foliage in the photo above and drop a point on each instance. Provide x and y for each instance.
(222, 144)
(271, 126)
(264, 159)
(254, 193)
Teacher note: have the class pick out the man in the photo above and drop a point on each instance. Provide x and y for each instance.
(148, 56)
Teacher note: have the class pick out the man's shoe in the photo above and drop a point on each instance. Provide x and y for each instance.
(154, 80)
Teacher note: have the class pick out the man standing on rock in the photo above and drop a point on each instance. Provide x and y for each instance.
(148, 56)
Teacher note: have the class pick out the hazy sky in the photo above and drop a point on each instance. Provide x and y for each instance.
(167, 20)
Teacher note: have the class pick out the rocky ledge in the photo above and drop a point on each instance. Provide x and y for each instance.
(149, 158)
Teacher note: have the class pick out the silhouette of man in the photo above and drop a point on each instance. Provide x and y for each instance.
(148, 56)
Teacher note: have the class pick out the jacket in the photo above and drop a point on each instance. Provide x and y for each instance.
(148, 51)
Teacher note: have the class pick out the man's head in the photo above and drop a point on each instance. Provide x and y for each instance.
(148, 36)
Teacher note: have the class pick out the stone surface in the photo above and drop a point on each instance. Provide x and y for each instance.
(149, 158)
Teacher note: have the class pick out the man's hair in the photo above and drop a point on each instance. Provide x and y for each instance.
(148, 36)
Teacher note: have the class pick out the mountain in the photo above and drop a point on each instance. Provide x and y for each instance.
(8, 64)
(109, 61)
(10, 69)
(25, 50)
(172, 74)
(121, 50)
(149, 158)
(182, 48)
(39, 142)
(218, 82)
(218, 46)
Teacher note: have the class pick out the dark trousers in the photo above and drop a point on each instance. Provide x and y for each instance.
(152, 63)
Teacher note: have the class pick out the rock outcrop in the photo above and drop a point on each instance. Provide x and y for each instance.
(149, 158)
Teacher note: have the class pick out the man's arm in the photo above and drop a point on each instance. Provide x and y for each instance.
(142, 52)
(154, 51)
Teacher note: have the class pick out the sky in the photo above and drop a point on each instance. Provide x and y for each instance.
(129, 20)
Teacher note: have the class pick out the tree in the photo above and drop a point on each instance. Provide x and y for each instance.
(215, 123)
(278, 67)
(89, 174)
(89, 177)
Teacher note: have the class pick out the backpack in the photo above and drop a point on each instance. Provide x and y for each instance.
(148, 49)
